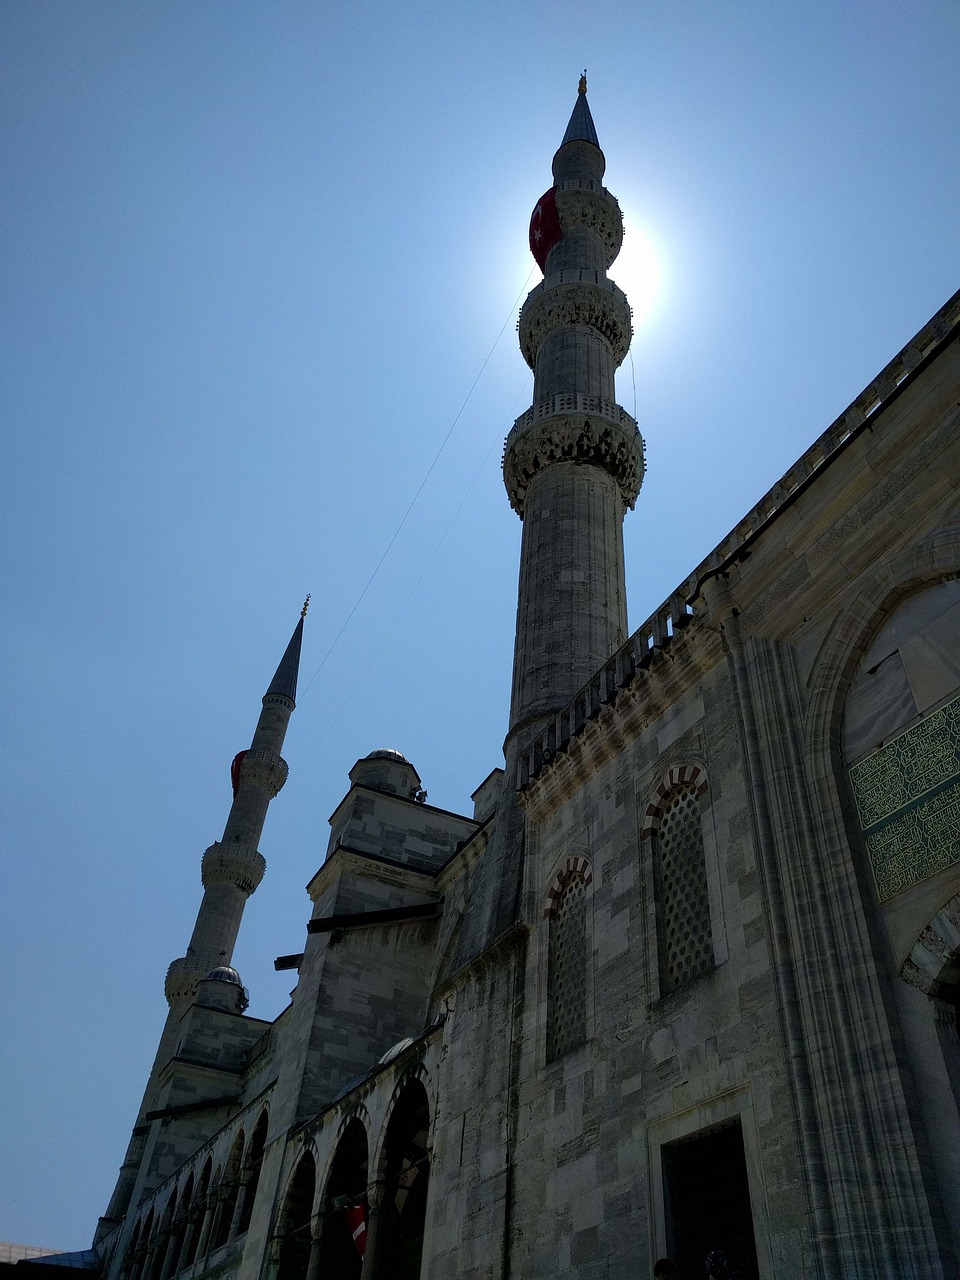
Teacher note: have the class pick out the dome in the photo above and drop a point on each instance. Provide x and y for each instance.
(224, 973)
(395, 1050)
(387, 753)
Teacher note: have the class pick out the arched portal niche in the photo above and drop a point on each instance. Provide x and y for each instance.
(295, 1221)
(252, 1164)
(344, 1206)
(406, 1175)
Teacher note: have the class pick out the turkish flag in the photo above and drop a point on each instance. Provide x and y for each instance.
(545, 230)
(357, 1226)
(235, 770)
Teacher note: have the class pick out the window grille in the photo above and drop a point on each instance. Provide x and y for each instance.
(683, 908)
(567, 970)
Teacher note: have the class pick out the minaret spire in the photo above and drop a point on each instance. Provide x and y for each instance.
(232, 868)
(573, 462)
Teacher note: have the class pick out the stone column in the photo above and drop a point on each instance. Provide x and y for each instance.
(243, 1182)
(193, 1218)
(371, 1248)
(315, 1261)
(170, 1253)
(210, 1207)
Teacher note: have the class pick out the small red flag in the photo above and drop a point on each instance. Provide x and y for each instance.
(545, 229)
(357, 1226)
(235, 770)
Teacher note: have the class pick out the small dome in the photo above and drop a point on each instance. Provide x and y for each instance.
(395, 1050)
(387, 753)
(224, 973)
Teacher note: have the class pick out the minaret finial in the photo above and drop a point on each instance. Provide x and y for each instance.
(306, 606)
(582, 87)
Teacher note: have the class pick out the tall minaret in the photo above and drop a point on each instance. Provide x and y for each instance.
(230, 870)
(573, 462)
(572, 465)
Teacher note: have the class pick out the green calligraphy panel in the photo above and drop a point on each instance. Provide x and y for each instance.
(908, 797)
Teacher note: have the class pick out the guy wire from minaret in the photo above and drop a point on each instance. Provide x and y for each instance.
(413, 501)
(497, 439)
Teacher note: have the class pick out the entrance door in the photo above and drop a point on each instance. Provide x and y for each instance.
(708, 1202)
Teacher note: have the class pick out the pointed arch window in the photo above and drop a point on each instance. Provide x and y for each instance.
(684, 930)
(567, 959)
(252, 1164)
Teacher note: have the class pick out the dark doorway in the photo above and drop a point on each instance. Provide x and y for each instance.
(707, 1201)
(346, 1187)
(406, 1176)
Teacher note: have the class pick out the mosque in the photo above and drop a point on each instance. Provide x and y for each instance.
(686, 979)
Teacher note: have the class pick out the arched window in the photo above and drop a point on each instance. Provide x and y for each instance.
(181, 1225)
(345, 1209)
(147, 1236)
(196, 1215)
(567, 958)
(295, 1221)
(227, 1193)
(684, 933)
(252, 1164)
(163, 1261)
(406, 1178)
(134, 1256)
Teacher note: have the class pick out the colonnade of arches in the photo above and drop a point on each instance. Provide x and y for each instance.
(204, 1212)
(367, 1223)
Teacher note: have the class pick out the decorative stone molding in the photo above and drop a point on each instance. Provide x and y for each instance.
(614, 446)
(585, 204)
(183, 977)
(265, 769)
(235, 864)
(595, 302)
(933, 964)
(575, 867)
(574, 402)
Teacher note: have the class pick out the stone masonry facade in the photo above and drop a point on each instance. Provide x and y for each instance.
(680, 982)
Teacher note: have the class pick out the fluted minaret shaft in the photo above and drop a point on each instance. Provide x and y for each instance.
(573, 462)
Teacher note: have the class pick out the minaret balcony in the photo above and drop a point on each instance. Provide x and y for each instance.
(573, 428)
(263, 768)
(577, 297)
(233, 863)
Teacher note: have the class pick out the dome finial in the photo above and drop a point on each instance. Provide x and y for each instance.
(582, 87)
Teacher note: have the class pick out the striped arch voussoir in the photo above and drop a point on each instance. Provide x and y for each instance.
(680, 775)
(575, 867)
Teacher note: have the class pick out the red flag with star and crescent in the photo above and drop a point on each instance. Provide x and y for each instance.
(545, 229)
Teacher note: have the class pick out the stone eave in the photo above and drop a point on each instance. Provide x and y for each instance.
(391, 795)
(380, 867)
(469, 853)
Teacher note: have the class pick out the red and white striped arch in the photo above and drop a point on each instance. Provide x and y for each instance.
(679, 775)
(577, 867)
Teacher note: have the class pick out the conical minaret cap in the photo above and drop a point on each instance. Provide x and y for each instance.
(284, 682)
(581, 127)
(579, 158)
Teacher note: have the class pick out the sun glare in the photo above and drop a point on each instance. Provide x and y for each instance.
(639, 271)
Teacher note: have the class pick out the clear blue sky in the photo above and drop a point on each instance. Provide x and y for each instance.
(253, 258)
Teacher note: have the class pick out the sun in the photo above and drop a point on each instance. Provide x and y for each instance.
(639, 271)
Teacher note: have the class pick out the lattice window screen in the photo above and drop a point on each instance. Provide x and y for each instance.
(683, 906)
(567, 971)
